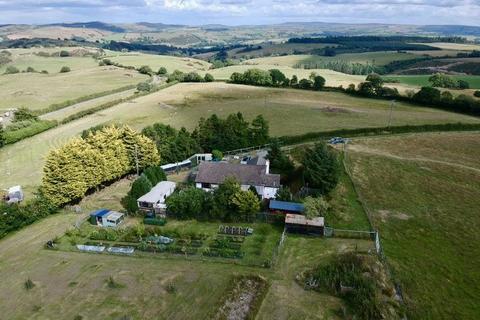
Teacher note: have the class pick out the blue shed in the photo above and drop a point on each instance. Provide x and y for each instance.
(286, 207)
(97, 215)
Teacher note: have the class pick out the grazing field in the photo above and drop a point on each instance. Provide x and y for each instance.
(75, 284)
(79, 59)
(156, 61)
(424, 193)
(183, 105)
(333, 78)
(380, 58)
(422, 80)
(37, 91)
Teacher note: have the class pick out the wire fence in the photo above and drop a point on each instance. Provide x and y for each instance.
(378, 243)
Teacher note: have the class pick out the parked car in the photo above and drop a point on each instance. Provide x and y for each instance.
(337, 140)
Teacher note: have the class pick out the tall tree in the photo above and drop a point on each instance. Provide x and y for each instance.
(321, 168)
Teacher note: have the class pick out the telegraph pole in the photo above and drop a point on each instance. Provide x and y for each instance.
(392, 104)
(136, 160)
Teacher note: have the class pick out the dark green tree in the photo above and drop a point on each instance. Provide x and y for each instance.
(278, 78)
(2, 136)
(321, 168)
(318, 83)
(259, 131)
(162, 71)
(189, 203)
(208, 78)
(283, 194)
(145, 70)
(223, 207)
(427, 95)
(279, 161)
(305, 84)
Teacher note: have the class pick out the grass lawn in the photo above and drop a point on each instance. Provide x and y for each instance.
(37, 91)
(183, 104)
(380, 58)
(422, 80)
(424, 194)
(156, 61)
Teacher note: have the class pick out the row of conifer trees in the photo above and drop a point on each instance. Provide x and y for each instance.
(83, 164)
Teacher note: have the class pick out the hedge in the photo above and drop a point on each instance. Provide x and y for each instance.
(35, 128)
(68, 103)
(288, 140)
(154, 221)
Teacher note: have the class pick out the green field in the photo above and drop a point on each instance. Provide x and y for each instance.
(424, 193)
(333, 78)
(156, 61)
(422, 80)
(379, 58)
(183, 104)
(24, 58)
(36, 91)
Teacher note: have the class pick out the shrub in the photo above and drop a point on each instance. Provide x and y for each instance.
(155, 221)
(65, 69)
(28, 285)
(30, 69)
(64, 53)
(145, 70)
(208, 78)
(11, 70)
(113, 284)
(44, 72)
(144, 86)
(162, 71)
(477, 93)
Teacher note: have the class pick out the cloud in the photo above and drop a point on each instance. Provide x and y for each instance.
(242, 11)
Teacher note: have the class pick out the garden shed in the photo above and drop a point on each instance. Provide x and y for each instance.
(277, 206)
(297, 223)
(106, 218)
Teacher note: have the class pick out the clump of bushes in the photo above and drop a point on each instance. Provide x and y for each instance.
(11, 70)
(360, 281)
(477, 93)
(28, 284)
(65, 69)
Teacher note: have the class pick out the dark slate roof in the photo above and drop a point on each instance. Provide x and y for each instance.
(217, 172)
(286, 206)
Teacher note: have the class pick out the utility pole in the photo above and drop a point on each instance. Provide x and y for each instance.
(392, 104)
(136, 160)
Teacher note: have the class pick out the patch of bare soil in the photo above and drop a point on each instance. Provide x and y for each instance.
(386, 214)
(243, 299)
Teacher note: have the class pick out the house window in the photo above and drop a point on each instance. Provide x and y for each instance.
(206, 185)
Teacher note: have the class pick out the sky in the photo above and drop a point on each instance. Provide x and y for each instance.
(240, 12)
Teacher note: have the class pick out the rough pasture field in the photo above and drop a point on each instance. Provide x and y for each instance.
(424, 193)
(36, 91)
(272, 49)
(183, 104)
(380, 58)
(333, 78)
(156, 61)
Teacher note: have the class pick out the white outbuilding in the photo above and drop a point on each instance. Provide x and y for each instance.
(154, 200)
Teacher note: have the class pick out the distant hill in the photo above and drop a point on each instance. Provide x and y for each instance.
(90, 25)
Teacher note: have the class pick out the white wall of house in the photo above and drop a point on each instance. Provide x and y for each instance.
(269, 192)
(264, 192)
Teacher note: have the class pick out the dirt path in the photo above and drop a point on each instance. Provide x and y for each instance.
(365, 149)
